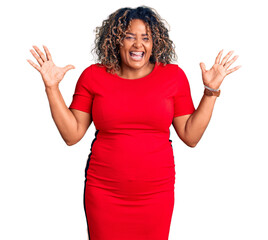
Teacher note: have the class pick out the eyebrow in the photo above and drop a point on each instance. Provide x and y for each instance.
(135, 34)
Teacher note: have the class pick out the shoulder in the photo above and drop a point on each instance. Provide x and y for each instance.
(98, 67)
(176, 74)
(94, 67)
(169, 66)
(171, 69)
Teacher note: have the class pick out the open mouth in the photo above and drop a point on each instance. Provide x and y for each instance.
(136, 55)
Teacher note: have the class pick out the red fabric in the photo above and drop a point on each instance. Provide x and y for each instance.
(130, 173)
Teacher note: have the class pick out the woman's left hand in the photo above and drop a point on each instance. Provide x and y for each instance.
(214, 77)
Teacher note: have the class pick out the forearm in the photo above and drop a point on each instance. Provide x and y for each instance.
(62, 116)
(198, 121)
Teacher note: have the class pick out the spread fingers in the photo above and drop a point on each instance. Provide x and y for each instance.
(228, 64)
(217, 61)
(224, 60)
(47, 53)
(34, 65)
(41, 55)
(37, 57)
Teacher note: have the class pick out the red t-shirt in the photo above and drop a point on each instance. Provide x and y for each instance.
(157, 97)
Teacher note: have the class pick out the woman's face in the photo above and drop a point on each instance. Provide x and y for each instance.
(137, 47)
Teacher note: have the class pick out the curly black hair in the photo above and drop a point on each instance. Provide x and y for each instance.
(113, 30)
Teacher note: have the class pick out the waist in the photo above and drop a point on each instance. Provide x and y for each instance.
(131, 160)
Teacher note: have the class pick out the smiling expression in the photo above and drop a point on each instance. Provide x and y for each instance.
(137, 49)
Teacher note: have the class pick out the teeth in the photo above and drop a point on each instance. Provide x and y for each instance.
(137, 53)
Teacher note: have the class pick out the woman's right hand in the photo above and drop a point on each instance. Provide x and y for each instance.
(51, 74)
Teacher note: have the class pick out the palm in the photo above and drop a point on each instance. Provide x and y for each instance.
(51, 74)
(214, 77)
(216, 73)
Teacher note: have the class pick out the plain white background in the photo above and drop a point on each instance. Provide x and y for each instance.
(221, 184)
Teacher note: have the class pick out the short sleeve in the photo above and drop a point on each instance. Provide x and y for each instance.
(183, 103)
(83, 95)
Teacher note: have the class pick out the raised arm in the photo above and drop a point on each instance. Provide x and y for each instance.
(190, 128)
(71, 123)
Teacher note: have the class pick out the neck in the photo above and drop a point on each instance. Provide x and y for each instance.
(130, 73)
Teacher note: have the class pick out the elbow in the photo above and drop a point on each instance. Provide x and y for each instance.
(70, 143)
(191, 144)
(73, 140)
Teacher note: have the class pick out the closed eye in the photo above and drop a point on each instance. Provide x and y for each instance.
(146, 39)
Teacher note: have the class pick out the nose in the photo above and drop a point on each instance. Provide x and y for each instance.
(137, 43)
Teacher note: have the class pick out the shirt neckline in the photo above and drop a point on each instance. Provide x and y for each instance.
(156, 65)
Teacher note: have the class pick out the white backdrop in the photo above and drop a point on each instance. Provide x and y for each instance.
(221, 184)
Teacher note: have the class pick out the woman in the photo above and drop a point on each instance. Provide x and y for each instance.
(133, 95)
